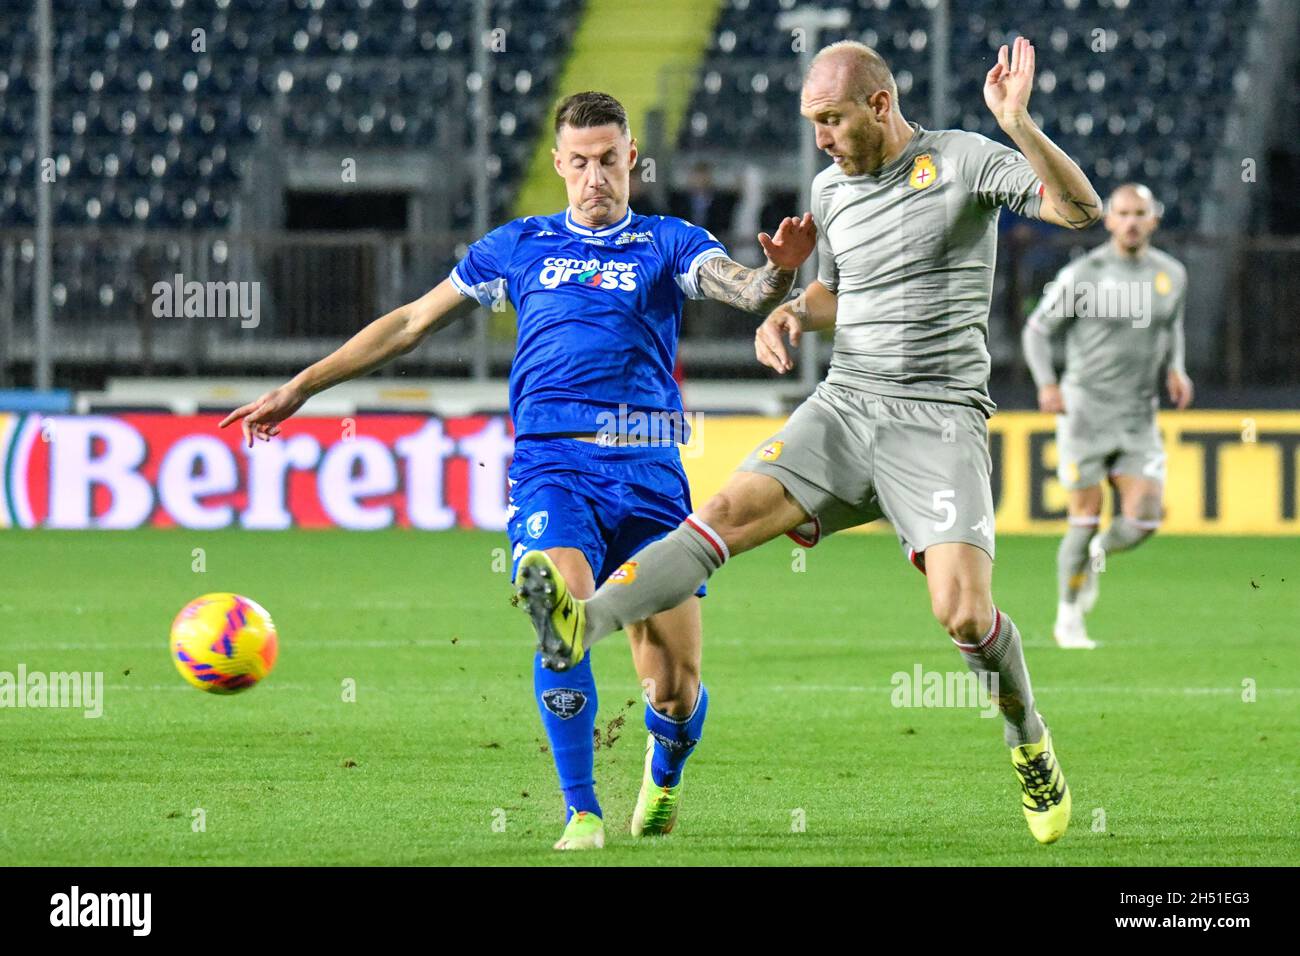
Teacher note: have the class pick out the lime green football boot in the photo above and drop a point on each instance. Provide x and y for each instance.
(585, 831)
(656, 807)
(1045, 796)
(558, 618)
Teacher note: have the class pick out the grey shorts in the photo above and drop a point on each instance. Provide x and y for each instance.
(1091, 447)
(849, 457)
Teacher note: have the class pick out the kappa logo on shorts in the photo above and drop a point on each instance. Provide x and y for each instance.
(984, 527)
(625, 573)
(536, 523)
(564, 702)
(771, 451)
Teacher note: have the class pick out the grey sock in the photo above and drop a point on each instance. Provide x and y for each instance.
(663, 575)
(1124, 534)
(1072, 560)
(1000, 654)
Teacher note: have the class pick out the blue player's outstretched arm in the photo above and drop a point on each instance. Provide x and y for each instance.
(385, 338)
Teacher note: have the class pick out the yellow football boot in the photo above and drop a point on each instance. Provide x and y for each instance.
(1045, 796)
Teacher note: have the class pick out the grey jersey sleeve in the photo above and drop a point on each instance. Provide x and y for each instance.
(827, 273)
(1038, 356)
(1049, 319)
(1177, 343)
(1000, 176)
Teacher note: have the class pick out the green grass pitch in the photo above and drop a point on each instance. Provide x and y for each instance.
(440, 758)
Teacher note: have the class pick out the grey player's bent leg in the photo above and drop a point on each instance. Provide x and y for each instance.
(1125, 534)
(999, 653)
(748, 511)
(960, 579)
(659, 576)
(1072, 557)
(1140, 502)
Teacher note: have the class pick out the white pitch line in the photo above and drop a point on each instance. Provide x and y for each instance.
(890, 688)
(153, 645)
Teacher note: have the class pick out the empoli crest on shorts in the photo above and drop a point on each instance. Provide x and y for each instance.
(771, 451)
(923, 172)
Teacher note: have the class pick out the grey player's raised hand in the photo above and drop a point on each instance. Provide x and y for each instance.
(793, 243)
(1008, 85)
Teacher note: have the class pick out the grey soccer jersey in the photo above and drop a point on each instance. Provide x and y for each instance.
(1121, 317)
(909, 252)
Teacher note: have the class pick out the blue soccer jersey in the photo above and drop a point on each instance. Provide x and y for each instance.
(599, 314)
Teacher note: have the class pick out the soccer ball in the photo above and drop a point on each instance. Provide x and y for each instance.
(223, 643)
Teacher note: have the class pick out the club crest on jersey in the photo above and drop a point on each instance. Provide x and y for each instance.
(624, 574)
(923, 172)
(771, 451)
(564, 702)
(1164, 285)
(536, 523)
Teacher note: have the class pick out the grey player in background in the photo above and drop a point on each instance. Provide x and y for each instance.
(907, 223)
(1120, 311)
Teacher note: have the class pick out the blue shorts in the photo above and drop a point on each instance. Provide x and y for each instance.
(608, 502)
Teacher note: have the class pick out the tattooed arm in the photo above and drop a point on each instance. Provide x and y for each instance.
(1068, 197)
(762, 289)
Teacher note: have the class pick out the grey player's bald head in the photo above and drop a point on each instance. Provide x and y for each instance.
(1137, 190)
(855, 68)
(1132, 215)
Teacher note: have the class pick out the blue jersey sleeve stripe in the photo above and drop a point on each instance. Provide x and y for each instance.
(460, 285)
(688, 281)
(484, 293)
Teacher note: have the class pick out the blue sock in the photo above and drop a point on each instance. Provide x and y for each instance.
(567, 702)
(675, 738)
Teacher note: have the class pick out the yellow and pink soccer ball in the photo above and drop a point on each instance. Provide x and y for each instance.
(223, 643)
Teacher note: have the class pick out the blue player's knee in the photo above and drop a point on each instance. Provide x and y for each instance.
(678, 730)
(676, 697)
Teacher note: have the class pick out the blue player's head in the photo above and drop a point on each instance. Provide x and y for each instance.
(595, 154)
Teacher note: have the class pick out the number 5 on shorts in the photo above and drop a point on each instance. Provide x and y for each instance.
(943, 505)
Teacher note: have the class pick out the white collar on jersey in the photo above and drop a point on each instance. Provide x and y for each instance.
(607, 231)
